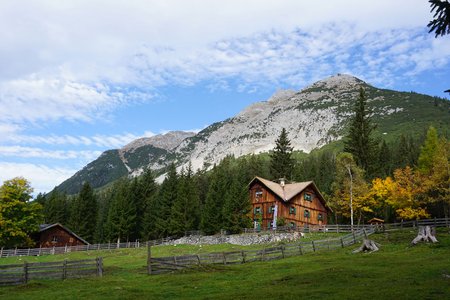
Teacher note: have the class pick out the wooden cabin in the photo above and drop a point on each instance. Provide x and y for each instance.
(56, 235)
(300, 204)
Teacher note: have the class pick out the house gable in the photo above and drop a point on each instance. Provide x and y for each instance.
(57, 235)
(298, 203)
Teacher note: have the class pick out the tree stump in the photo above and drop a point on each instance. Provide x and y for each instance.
(426, 234)
(367, 246)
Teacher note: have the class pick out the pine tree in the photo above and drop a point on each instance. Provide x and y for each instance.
(185, 210)
(359, 141)
(384, 161)
(83, 217)
(236, 201)
(149, 190)
(122, 212)
(163, 205)
(281, 163)
(55, 208)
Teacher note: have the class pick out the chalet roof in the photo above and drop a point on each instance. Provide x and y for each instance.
(44, 227)
(290, 190)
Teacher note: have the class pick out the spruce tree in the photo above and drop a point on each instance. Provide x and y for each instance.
(165, 199)
(359, 141)
(185, 210)
(384, 161)
(83, 217)
(122, 212)
(281, 162)
(55, 208)
(149, 191)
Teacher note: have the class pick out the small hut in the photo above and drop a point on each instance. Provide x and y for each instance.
(57, 235)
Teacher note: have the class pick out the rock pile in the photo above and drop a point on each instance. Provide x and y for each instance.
(237, 239)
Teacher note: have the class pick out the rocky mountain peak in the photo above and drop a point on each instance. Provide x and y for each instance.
(166, 141)
(337, 81)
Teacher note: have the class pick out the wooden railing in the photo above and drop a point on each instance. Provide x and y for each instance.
(22, 273)
(160, 265)
(66, 249)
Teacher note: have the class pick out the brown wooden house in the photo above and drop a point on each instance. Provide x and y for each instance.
(56, 235)
(299, 204)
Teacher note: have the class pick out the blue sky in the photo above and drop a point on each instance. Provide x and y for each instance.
(80, 77)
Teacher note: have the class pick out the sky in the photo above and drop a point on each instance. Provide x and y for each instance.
(80, 77)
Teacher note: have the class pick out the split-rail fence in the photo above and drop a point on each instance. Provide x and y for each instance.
(66, 269)
(160, 265)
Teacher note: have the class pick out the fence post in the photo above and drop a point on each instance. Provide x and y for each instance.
(198, 258)
(342, 242)
(337, 228)
(64, 273)
(15, 252)
(1, 253)
(282, 251)
(365, 233)
(300, 248)
(313, 246)
(243, 256)
(40, 249)
(149, 259)
(224, 258)
(99, 261)
(263, 254)
(25, 272)
(354, 237)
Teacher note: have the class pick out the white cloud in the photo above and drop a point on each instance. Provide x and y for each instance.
(30, 152)
(42, 178)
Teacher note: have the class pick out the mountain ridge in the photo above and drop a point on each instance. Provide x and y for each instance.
(313, 117)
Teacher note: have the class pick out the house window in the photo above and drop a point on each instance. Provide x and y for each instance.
(70, 240)
(54, 239)
(306, 213)
(319, 217)
(308, 197)
(257, 210)
(258, 194)
(271, 209)
(292, 225)
(292, 210)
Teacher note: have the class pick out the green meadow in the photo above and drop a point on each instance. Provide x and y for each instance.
(397, 271)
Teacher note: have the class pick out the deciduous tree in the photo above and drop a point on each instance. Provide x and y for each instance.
(19, 217)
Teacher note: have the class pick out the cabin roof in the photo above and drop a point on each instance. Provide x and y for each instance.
(290, 190)
(44, 227)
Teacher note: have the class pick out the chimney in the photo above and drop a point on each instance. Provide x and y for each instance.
(282, 182)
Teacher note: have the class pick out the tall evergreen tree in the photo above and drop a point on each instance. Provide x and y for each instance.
(359, 141)
(185, 210)
(122, 212)
(237, 201)
(55, 209)
(163, 205)
(149, 191)
(83, 217)
(384, 164)
(281, 162)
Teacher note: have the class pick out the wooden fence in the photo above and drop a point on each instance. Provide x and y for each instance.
(160, 265)
(22, 273)
(66, 249)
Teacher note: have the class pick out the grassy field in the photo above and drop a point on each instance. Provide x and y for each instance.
(397, 271)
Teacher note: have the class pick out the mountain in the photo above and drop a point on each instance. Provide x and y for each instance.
(313, 117)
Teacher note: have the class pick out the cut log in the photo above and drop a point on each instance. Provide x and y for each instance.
(367, 246)
(426, 234)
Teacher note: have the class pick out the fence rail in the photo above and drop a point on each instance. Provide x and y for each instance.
(22, 273)
(160, 265)
(66, 249)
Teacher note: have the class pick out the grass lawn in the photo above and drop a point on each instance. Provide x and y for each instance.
(397, 271)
